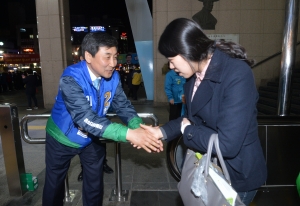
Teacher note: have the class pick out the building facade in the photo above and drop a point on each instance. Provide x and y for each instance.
(258, 24)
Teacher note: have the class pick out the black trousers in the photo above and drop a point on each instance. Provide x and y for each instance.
(135, 89)
(175, 111)
(29, 97)
(58, 158)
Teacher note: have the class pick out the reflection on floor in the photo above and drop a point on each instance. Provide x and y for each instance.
(272, 196)
(277, 196)
(155, 198)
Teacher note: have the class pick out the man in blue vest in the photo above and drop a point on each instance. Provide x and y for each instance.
(86, 91)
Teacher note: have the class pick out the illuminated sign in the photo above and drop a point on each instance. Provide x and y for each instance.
(80, 28)
(28, 50)
(97, 29)
(123, 36)
(21, 58)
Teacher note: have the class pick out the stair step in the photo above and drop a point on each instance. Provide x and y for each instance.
(266, 109)
(268, 88)
(295, 109)
(296, 93)
(295, 100)
(297, 75)
(268, 101)
(296, 85)
(270, 95)
(296, 71)
(296, 79)
(273, 84)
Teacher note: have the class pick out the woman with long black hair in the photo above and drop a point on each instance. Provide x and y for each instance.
(221, 98)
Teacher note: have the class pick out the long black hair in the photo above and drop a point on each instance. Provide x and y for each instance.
(185, 37)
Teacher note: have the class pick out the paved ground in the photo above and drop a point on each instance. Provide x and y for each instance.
(140, 171)
(144, 175)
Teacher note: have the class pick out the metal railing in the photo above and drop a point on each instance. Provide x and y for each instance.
(116, 195)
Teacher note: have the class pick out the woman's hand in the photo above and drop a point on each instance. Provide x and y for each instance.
(140, 138)
(185, 122)
(154, 131)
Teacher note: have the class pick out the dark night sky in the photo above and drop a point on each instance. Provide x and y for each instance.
(91, 9)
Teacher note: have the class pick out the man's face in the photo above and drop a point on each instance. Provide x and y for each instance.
(128, 59)
(104, 62)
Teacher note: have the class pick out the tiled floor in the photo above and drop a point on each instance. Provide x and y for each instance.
(155, 198)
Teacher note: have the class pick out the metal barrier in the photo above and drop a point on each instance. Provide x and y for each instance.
(116, 195)
(12, 148)
(69, 195)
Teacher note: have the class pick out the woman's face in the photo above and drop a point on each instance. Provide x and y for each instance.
(181, 66)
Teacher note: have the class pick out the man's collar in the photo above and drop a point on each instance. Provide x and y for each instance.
(92, 75)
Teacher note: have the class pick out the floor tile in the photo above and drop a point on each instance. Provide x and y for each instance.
(142, 198)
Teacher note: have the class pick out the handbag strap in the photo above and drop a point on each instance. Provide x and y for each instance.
(214, 140)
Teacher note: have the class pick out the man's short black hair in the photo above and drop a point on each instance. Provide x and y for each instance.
(93, 41)
(29, 71)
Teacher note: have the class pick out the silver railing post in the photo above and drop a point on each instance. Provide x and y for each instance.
(288, 56)
(119, 194)
(69, 194)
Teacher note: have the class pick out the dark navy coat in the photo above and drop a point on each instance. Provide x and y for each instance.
(225, 103)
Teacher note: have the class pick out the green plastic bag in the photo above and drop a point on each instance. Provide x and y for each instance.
(298, 183)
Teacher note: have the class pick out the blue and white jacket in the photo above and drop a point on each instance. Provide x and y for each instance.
(79, 112)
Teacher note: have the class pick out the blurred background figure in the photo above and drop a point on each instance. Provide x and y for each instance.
(30, 82)
(128, 59)
(136, 80)
(129, 82)
(174, 91)
(4, 77)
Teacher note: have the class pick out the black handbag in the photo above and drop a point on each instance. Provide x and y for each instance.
(204, 183)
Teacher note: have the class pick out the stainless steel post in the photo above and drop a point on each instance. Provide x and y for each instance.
(118, 169)
(288, 56)
(69, 194)
(118, 194)
(12, 148)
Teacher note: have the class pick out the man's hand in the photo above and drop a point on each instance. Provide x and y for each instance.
(183, 99)
(171, 101)
(140, 138)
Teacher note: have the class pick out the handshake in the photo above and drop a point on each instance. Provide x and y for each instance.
(146, 137)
